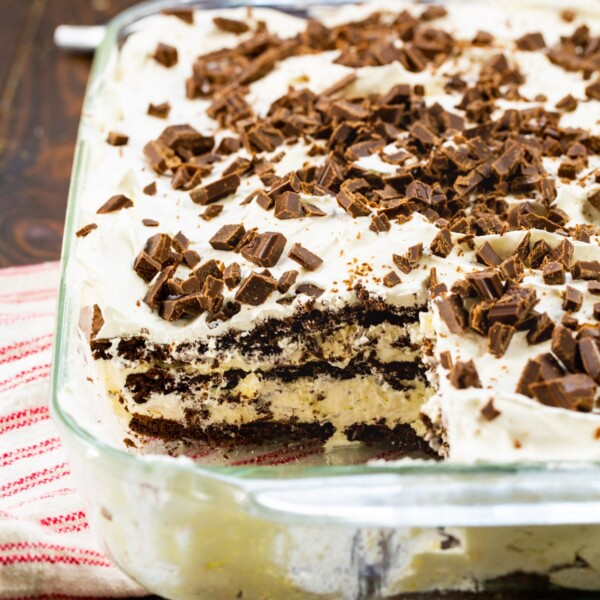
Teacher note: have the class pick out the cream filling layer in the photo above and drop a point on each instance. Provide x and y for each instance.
(339, 402)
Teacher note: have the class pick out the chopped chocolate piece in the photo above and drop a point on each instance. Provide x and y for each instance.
(594, 288)
(150, 223)
(309, 289)
(489, 412)
(513, 307)
(165, 55)
(483, 38)
(240, 166)
(563, 253)
(487, 284)
(452, 312)
(304, 257)
(538, 253)
(212, 211)
(180, 241)
(464, 375)
(542, 329)
(553, 273)
(191, 285)
(402, 263)
(573, 392)
(158, 247)
(418, 190)
(487, 255)
(264, 249)
(529, 376)
(186, 142)
(380, 223)
(311, 210)
(210, 267)
(145, 266)
(228, 145)
(255, 289)
(567, 15)
(565, 347)
(339, 85)
(547, 188)
(570, 322)
(568, 169)
(415, 254)
(512, 268)
(288, 206)
(227, 237)
(522, 250)
(264, 200)
(442, 244)
(86, 229)
(212, 287)
(478, 317)
(191, 258)
(231, 25)
(97, 322)
(568, 103)
(594, 199)
(446, 359)
(499, 337)
(435, 11)
(586, 269)
(115, 203)
(531, 42)
(592, 91)
(216, 190)
(117, 139)
(391, 279)
(572, 300)
(232, 275)
(353, 203)
(150, 189)
(508, 161)
(158, 289)
(589, 351)
(161, 157)
(247, 239)
(160, 111)
(187, 176)
(185, 14)
(286, 281)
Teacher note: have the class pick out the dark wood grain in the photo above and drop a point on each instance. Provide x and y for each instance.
(41, 91)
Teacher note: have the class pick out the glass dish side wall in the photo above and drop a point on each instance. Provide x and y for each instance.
(190, 532)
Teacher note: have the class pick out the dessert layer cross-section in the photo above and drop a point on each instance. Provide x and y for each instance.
(376, 223)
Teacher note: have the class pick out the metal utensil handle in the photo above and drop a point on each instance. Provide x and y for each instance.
(79, 38)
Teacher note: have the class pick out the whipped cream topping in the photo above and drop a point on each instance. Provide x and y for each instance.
(525, 429)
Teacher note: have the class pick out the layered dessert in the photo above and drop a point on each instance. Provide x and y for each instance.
(375, 225)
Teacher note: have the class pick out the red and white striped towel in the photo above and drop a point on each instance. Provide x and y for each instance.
(46, 547)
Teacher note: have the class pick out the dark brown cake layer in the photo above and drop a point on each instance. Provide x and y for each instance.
(402, 437)
(263, 339)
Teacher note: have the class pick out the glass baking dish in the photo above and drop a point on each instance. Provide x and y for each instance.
(184, 529)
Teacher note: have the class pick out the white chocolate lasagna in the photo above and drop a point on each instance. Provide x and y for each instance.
(377, 224)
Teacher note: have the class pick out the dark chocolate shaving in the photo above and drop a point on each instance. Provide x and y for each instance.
(265, 249)
(305, 257)
(255, 289)
(114, 204)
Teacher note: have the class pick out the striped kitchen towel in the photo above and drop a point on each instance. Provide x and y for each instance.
(46, 547)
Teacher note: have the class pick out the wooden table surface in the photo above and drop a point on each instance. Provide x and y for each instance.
(41, 91)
